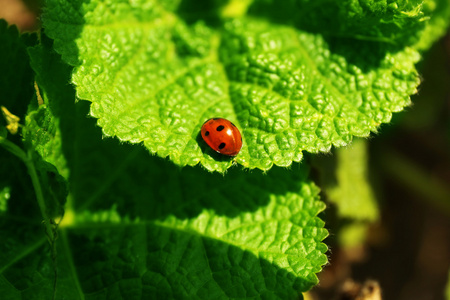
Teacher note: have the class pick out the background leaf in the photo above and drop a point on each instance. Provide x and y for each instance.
(397, 22)
(437, 25)
(349, 187)
(344, 179)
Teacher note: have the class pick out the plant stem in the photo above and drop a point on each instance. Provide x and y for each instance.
(39, 195)
(13, 148)
(28, 160)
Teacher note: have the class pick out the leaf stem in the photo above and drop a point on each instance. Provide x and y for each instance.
(39, 195)
(13, 148)
(28, 160)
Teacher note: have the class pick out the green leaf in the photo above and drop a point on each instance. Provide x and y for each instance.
(43, 133)
(43, 136)
(352, 234)
(46, 123)
(157, 81)
(24, 261)
(437, 26)
(262, 241)
(345, 182)
(137, 225)
(396, 21)
(353, 193)
(27, 268)
(21, 231)
(50, 126)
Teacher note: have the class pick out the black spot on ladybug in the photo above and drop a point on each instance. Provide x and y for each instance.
(207, 133)
(220, 128)
(221, 146)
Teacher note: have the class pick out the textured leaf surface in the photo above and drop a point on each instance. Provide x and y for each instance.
(42, 133)
(154, 79)
(234, 237)
(21, 232)
(52, 125)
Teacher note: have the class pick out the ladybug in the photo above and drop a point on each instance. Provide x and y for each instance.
(222, 136)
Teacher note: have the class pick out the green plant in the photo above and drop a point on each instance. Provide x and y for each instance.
(138, 206)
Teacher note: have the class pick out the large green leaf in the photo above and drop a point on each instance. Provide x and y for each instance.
(238, 237)
(153, 79)
(140, 227)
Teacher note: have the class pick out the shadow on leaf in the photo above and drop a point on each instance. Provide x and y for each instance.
(163, 263)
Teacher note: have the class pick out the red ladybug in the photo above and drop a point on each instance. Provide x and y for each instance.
(222, 136)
